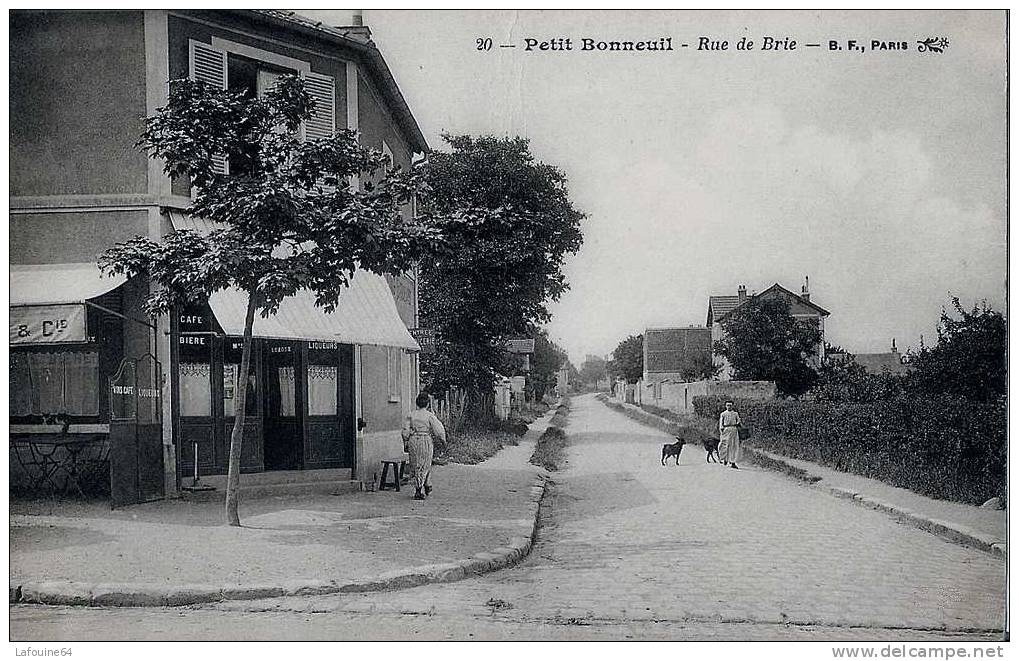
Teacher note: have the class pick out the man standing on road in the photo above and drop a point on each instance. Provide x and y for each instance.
(728, 434)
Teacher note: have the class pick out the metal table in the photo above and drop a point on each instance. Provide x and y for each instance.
(62, 462)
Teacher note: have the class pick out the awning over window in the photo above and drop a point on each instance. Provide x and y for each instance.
(47, 301)
(365, 314)
(51, 284)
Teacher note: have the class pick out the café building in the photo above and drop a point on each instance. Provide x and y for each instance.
(102, 394)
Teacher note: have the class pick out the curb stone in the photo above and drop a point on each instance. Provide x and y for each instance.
(943, 529)
(67, 593)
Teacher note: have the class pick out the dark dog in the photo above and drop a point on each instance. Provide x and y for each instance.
(672, 450)
(711, 445)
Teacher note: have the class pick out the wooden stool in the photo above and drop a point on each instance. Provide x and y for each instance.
(399, 465)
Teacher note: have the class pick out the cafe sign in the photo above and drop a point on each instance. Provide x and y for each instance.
(47, 324)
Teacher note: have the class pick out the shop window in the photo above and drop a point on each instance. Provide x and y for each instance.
(52, 383)
(395, 373)
(231, 369)
(323, 378)
(195, 376)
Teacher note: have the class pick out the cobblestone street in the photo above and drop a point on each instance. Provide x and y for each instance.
(629, 548)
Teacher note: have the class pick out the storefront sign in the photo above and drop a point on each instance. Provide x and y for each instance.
(321, 346)
(47, 324)
(425, 338)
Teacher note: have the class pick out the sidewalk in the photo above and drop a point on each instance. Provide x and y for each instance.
(971, 525)
(477, 519)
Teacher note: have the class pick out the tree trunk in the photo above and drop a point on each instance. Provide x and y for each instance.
(240, 403)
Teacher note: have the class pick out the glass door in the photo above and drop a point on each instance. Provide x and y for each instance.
(283, 447)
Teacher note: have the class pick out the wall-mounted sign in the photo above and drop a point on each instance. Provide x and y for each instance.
(47, 324)
(425, 338)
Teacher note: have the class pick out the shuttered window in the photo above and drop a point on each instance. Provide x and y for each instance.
(322, 123)
(208, 65)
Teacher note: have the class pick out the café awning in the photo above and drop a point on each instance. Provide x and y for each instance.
(365, 313)
(55, 284)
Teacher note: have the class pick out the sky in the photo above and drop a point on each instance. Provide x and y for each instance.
(880, 174)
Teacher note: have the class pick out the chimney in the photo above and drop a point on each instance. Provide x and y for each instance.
(895, 351)
(805, 295)
(742, 291)
(357, 18)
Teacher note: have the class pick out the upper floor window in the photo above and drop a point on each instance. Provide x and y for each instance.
(238, 67)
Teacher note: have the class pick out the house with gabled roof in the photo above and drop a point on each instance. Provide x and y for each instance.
(800, 307)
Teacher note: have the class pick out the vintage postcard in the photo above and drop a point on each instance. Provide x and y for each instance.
(546, 325)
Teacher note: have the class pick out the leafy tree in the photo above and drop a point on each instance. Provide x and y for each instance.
(516, 226)
(969, 358)
(628, 359)
(546, 361)
(593, 370)
(574, 376)
(765, 342)
(287, 221)
(699, 366)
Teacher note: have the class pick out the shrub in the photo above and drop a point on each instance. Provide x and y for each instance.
(550, 450)
(473, 445)
(941, 446)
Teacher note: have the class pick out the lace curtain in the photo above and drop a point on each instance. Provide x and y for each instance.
(322, 390)
(288, 391)
(195, 389)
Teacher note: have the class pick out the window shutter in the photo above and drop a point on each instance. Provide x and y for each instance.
(208, 65)
(322, 123)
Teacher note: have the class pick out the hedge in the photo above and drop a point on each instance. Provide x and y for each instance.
(942, 446)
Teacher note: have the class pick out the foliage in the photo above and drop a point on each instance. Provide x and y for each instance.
(848, 382)
(698, 367)
(550, 450)
(574, 376)
(287, 222)
(285, 219)
(593, 369)
(764, 342)
(628, 359)
(515, 226)
(942, 446)
(474, 445)
(969, 359)
(546, 361)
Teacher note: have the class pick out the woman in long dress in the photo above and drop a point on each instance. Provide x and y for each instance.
(420, 429)
(728, 433)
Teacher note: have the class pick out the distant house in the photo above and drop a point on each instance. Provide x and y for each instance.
(674, 354)
(800, 306)
(891, 362)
